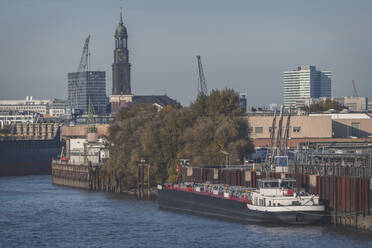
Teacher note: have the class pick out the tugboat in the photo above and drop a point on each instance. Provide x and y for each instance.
(274, 202)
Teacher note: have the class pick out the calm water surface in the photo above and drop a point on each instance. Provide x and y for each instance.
(35, 213)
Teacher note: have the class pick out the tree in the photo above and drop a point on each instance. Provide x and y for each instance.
(323, 106)
(200, 132)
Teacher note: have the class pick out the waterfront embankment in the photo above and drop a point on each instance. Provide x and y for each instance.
(94, 178)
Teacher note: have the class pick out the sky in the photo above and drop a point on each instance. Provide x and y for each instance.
(245, 45)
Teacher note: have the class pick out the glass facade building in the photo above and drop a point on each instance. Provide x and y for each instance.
(85, 86)
(304, 83)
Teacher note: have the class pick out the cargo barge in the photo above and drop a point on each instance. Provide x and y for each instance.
(274, 202)
(21, 157)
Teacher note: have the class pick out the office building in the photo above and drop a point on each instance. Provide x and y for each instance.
(304, 83)
(87, 86)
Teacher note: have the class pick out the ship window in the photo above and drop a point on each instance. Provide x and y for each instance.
(286, 185)
(271, 184)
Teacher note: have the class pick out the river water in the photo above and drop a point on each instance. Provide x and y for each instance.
(35, 213)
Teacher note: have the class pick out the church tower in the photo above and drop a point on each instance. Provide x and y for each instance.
(121, 66)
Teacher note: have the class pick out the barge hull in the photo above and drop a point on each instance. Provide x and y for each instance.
(213, 206)
(28, 157)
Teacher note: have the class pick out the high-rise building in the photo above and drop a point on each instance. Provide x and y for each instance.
(88, 86)
(304, 83)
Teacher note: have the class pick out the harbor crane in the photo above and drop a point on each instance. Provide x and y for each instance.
(279, 134)
(279, 144)
(270, 153)
(286, 134)
(202, 85)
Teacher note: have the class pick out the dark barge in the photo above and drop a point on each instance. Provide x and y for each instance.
(266, 205)
(19, 157)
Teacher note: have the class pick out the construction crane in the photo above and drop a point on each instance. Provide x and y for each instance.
(202, 85)
(83, 67)
(355, 89)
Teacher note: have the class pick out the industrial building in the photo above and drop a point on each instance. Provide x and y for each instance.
(353, 103)
(55, 108)
(302, 128)
(304, 83)
(10, 117)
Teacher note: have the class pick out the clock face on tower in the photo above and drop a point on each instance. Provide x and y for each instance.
(121, 57)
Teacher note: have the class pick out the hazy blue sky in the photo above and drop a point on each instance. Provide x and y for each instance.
(244, 44)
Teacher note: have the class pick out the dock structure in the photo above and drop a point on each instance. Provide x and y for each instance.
(342, 181)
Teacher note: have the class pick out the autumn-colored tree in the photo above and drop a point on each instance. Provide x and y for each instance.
(200, 132)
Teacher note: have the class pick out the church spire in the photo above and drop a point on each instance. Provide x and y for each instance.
(121, 16)
(121, 65)
(121, 31)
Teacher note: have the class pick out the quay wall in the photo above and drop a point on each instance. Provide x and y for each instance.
(94, 178)
(65, 174)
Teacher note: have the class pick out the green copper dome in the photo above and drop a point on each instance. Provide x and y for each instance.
(121, 30)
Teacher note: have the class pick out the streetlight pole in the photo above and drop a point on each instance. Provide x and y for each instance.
(227, 157)
(182, 163)
(140, 178)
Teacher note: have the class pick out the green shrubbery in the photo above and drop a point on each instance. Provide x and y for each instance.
(324, 106)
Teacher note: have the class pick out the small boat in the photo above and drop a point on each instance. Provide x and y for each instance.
(274, 202)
